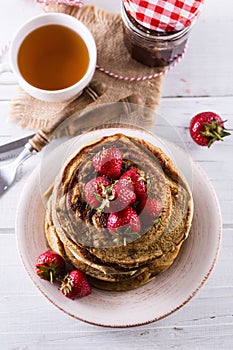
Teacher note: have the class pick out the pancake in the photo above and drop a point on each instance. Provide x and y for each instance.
(80, 234)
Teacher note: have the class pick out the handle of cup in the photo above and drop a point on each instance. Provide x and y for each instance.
(6, 68)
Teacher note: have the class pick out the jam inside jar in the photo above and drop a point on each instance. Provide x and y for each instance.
(152, 48)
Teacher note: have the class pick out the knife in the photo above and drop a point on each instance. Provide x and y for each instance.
(13, 149)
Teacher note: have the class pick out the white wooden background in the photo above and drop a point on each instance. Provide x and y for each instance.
(202, 81)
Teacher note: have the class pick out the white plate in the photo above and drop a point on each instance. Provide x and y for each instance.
(162, 296)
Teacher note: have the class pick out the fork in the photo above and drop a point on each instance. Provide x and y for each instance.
(8, 171)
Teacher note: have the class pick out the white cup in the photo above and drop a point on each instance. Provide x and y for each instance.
(47, 19)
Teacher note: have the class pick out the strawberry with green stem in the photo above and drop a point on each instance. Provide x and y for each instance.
(108, 162)
(50, 266)
(206, 128)
(97, 190)
(137, 178)
(150, 210)
(76, 285)
(125, 222)
(122, 196)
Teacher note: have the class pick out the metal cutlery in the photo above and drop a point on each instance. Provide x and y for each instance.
(12, 149)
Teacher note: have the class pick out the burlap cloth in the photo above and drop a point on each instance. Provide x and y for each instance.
(107, 30)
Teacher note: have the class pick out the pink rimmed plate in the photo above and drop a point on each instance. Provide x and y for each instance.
(162, 296)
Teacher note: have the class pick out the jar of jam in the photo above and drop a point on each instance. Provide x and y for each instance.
(156, 31)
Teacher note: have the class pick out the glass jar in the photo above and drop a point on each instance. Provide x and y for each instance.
(152, 48)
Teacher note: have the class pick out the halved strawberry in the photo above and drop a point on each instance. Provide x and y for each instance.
(108, 162)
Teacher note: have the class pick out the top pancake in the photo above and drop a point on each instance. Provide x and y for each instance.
(80, 226)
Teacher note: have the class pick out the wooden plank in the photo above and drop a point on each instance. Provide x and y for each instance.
(37, 329)
(177, 338)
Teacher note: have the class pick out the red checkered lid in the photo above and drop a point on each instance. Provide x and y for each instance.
(164, 16)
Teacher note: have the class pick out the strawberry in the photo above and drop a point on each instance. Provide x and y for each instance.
(150, 210)
(122, 194)
(125, 220)
(76, 285)
(138, 181)
(206, 128)
(96, 190)
(50, 266)
(108, 162)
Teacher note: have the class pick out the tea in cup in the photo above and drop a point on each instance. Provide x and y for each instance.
(53, 57)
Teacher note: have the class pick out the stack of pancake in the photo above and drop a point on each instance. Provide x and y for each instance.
(79, 233)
